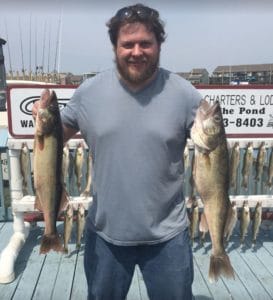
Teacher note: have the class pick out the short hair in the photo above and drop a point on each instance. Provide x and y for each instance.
(136, 13)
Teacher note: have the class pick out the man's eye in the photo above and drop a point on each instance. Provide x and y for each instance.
(128, 45)
(145, 44)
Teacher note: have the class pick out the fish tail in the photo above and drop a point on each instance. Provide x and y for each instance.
(220, 265)
(51, 242)
(78, 246)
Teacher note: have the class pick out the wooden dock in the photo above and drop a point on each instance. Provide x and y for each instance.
(61, 277)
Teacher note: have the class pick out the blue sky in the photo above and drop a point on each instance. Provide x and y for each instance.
(200, 33)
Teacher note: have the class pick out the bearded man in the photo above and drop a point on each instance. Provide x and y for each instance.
(135, 119)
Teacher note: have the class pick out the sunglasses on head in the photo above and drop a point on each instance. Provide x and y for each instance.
(142, 12)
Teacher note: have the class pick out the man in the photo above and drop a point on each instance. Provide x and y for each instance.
(135, 120)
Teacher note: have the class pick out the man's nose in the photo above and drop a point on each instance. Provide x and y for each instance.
(136, 51)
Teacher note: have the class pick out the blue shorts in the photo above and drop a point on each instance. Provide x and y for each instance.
(167, 268)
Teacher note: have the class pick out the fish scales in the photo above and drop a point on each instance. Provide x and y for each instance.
(260, 162)
(270, 170)
(247, 165)
(79, 161)
(25, 167)
(80, 225)
(234, 164)
(256, 223)
(244, 221)
(87, 189)
(48, 182)
(211, 177)
(68, 225)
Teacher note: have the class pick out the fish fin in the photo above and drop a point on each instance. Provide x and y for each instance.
(220, 265)
(37, 204)
(51, 242)
(203, 224)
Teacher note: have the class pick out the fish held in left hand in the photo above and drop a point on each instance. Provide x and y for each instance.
(211, 177)
(51, 196)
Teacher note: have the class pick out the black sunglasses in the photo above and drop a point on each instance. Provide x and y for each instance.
(142, 12)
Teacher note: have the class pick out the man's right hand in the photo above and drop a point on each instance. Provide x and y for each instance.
(35, 109)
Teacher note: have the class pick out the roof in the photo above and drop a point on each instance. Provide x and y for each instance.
(244, 68)
(199, 71)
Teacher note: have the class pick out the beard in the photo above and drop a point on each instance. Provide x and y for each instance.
(137, 77)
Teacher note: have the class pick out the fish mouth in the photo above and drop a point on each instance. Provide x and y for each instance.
(209, 110)
(47, 97)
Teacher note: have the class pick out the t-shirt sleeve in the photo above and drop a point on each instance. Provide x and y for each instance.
(195, 101)
(69, 114)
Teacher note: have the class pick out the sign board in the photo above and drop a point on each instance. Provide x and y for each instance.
(247, 110)
(20, 99)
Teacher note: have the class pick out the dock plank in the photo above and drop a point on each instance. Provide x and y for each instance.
(48, 276)
(217, 289)
(33, 262)
(61, 277)
(246, 272)
(65, 275)
(5, 235)
(79, 288)
(200, 289)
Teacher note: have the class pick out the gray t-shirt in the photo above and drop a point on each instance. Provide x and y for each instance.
(137, 141)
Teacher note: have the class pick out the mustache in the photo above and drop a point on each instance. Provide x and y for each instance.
(136, 60)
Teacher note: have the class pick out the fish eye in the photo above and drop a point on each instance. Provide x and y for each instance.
(217, 118)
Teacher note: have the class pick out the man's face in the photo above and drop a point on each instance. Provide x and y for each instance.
(137, 53)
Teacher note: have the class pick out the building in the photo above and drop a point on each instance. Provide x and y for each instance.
(196, 76)
(243, 74)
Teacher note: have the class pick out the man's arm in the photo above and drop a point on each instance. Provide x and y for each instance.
(68, 132)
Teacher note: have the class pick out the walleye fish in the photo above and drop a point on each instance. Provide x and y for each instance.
(211, 176)
(234, 164)
(194, 218)
(231, 221)
(270, 170)
(257, 219)
(260, 161)
(65, 165)
(79, 160)
(247, 164)
(68, 224)
(25, 167)
(80, 225)
(51, 196)
(87, 189)
(245, 220)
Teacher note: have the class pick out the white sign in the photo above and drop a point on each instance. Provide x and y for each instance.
(247, 112)
(20, 102)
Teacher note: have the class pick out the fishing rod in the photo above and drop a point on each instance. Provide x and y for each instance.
(10, 65)
(22, 54)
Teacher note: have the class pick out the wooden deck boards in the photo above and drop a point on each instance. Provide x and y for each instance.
(61, 277)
